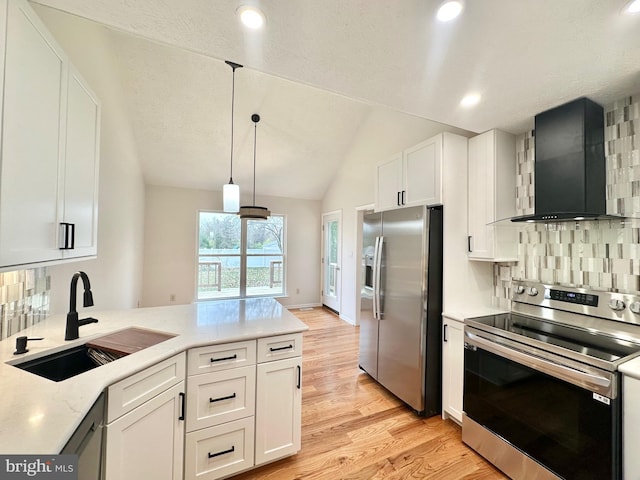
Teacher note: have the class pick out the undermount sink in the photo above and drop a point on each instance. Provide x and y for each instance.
(61, 365)
(73, 361)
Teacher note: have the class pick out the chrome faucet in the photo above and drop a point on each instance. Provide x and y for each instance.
(73, 324)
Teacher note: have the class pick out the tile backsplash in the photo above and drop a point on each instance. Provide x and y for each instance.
(24, 299)
(598, 254)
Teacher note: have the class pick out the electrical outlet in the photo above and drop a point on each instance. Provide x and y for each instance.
(172, 297)
(297, 290)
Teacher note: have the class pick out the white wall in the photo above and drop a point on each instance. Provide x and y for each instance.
(384, 133)
(116, 275)
(171, 240)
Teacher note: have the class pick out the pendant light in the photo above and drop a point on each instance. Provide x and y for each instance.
(231, 191)
(253, 211)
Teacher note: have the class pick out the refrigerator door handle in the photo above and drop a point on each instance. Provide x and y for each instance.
(378, 290)
(375, 279)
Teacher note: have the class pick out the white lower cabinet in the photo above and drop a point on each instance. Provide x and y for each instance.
(221, 400)
(452, 368)
(242, 408)
(278, 409)
(630, 431)
(145, 423)
(219, 451)
(148, 441)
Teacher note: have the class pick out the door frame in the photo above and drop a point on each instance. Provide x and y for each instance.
(360, 212)
(328, 216)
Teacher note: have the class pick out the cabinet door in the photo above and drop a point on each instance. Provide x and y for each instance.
(481, 191)
(32, 123)
(148, 441)
(452, 368)
(423, 173)
(278, 409)
(630, 432)
(81, 166)
(389, 184)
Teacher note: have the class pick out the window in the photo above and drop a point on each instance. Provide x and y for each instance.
(240, 258)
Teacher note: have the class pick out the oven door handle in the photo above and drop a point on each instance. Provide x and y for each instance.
(595, 383)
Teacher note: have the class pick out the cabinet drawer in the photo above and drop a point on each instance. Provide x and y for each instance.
(221, 357)
(133, 391)
(220, 397)
(282, 346)
(220, 451)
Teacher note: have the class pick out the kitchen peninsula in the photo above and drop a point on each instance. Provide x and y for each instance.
(38, 416)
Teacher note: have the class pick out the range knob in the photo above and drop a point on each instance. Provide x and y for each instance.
(616, 304)
(532, 291)
(519, 289)
(635, 307)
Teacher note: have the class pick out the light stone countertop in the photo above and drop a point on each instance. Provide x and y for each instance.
(38, 416)
(631, 368)
(461, 314)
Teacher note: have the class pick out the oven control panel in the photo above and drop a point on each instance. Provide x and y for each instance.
(572, 297)
(529, 295)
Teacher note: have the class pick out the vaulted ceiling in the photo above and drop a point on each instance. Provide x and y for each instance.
(317, 69)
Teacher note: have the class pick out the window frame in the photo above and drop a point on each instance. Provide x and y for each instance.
(243, 256)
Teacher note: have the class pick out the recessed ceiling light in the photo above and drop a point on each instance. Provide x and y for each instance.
(251, 17)
(632, 7)
(470, 100)
(449, 10)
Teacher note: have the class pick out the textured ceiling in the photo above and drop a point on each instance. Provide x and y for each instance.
(317, 68)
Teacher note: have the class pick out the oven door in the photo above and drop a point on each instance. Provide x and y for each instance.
(564, 416)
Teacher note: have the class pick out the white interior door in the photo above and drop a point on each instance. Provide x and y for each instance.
(331, 260)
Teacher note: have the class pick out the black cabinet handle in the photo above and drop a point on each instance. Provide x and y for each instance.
(222, 359)
(299, 377)
(217, 454)
(444, 332)
(182, 402)
(403, 195)
(469, 244)
(280, 348)
(228, 397)
(398, 199)
(68, 234)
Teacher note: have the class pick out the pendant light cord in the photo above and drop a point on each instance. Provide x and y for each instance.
(233, 97)
(255, 136)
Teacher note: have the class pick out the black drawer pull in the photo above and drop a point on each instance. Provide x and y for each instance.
(213, 455)
(213, 400)
(280, 348)
(222, 359)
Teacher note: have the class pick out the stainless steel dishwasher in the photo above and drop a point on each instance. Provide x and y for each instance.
(86, 442)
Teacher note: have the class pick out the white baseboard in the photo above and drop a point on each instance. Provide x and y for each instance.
(302, 305)
(348, 320)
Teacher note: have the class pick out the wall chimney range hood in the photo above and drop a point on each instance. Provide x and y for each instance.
(570, 172)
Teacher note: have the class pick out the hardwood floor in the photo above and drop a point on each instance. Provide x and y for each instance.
(354, 429)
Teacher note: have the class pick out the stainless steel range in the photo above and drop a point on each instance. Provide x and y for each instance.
(542, 391)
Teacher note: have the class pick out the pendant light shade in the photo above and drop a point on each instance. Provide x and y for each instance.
(253, 211)
(231, 197)
(231, 191)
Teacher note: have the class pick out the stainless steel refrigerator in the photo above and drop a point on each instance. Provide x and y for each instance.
(401, 304)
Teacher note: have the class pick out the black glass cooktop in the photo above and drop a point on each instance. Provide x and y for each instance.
(579, 340)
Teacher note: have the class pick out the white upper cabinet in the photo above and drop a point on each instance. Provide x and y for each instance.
(31, 155)
(81, 166)
(50, 141)
(492, 196)
(412, 177)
